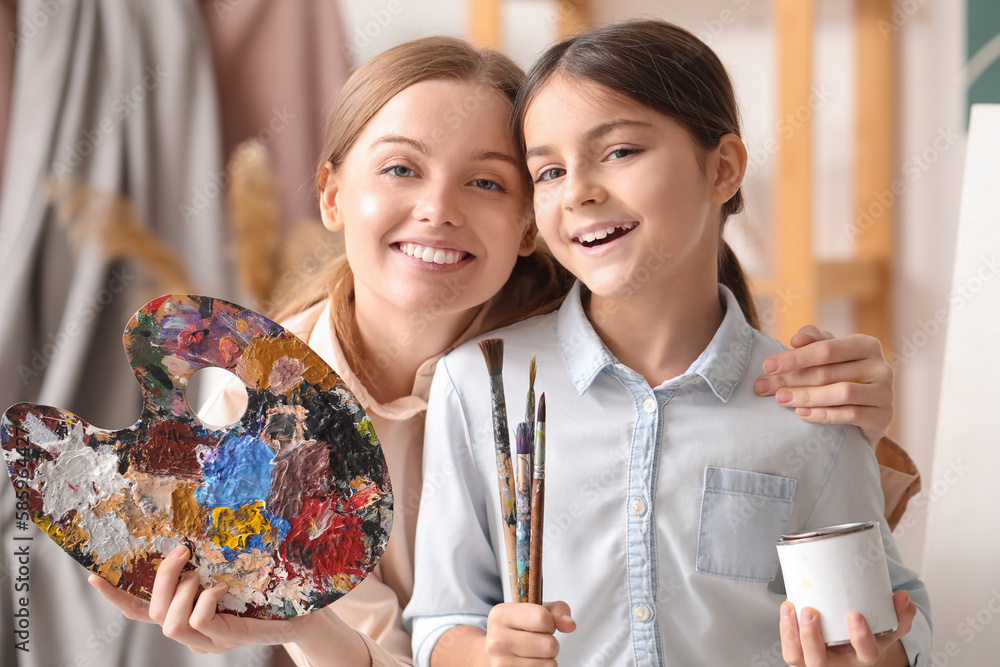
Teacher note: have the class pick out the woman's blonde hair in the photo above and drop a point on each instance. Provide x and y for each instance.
(537, 282)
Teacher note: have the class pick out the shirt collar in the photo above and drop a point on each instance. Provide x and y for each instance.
(722, 364)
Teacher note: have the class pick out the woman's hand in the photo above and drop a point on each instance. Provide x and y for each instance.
(189, 617)
(832, 381)
(802, 643)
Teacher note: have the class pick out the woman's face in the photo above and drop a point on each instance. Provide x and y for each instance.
(432, 200)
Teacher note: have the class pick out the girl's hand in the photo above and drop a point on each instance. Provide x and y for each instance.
(802, 644)
(190, 618)
(519, 633)
(832, 381)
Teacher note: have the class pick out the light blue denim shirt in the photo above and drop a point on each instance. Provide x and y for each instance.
(662, 505)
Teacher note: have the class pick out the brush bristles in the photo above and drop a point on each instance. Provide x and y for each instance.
(532, 369)
(493, 352)
(523, 438)
(541, 408)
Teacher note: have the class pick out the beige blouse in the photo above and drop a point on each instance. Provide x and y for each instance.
(375, 607)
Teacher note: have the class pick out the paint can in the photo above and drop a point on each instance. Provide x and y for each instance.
(837, 570)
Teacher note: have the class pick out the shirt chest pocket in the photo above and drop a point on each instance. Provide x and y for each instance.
(743, 513)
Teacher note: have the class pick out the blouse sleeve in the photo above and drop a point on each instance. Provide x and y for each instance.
(900, 479)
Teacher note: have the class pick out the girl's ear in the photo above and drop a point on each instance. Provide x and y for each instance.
(329, 187)
(730, 166)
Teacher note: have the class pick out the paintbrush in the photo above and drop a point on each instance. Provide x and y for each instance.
(493, 353)
(522, 437)
(529, 416)
(537, 509)
(529, 408)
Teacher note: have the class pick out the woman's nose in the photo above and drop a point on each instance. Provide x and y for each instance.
(437, 204)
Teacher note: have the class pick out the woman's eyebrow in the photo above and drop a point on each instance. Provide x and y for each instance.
(399, 139)
(480, 155)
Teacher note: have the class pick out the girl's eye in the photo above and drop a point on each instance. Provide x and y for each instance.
(550, 174)
(621, 153)
(399, 171)
(487, 184)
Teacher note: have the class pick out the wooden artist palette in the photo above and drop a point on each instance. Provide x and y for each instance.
(291, 506)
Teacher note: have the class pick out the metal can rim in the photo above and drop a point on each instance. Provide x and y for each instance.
(826, 532)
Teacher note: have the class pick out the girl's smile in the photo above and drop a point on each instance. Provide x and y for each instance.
(602, 234)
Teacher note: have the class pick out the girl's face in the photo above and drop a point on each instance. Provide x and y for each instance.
(623, 196)
(432, 200)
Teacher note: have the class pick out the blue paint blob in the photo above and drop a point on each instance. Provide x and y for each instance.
(236, 473)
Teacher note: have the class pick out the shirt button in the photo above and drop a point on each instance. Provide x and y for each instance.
(637, 507)
(649, 405)
(641, 613)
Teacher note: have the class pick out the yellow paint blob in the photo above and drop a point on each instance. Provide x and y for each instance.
(232, 528)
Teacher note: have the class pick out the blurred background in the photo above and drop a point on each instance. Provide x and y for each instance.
(171, 146)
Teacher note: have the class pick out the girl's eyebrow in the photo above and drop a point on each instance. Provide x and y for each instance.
(590, 135)
(399, 139)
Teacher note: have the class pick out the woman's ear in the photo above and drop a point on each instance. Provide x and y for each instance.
(329, 187)
(528, 240)
(730, 167)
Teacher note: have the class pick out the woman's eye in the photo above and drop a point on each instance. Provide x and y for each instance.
(487, 184)
(550, 174)
(399, 171)
(621, 153)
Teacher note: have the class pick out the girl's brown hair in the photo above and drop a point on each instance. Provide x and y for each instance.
(668, 70)
(537, 281)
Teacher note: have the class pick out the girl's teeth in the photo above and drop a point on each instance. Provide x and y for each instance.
(588, 237)
(602, 233)
(611, 230)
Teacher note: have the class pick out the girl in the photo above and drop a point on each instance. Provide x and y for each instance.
(423, 177)
(667, 482)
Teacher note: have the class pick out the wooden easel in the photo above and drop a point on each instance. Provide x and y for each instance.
(865, 278)
(485, 23)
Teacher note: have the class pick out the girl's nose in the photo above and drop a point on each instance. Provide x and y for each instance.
(437, 204)
(581, 188)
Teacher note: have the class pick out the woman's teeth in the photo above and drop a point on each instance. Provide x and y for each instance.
(432, 255)
(601, 234)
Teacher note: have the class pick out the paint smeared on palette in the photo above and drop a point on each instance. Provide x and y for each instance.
(291, 507)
